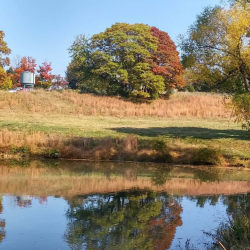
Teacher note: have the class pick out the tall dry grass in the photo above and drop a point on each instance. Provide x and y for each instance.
(33, 140)
(129, 148)
(199, 105)
(71, 147)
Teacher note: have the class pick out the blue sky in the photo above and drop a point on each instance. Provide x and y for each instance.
(45, 29)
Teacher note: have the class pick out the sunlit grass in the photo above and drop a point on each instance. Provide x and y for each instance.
(69, 102)
(186, 122)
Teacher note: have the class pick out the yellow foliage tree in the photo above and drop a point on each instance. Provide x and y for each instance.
(216, 49)
(4, 50)
(5, 81)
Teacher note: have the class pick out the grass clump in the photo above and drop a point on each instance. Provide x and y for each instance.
(162, 155)
(159, 145)
(52, 153)
(207, 156)
(23, 151)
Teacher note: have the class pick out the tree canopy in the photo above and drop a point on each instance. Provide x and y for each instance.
(216, 48)
(5, 81)
(130, 60)
(4, 51)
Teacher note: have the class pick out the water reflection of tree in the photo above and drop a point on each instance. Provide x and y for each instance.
(237, 204)
(210, 175)
(201, 200)
(161, 175)
(126, 220)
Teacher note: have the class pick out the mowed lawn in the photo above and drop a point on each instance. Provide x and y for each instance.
(192, 119)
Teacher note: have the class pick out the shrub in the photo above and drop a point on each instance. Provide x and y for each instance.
(162, 154)
(189, 88)
(206, 156)
(43, 84)
(159, 145)
(52, 153)
(24, 151)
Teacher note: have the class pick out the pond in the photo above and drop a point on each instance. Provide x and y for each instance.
(78, 205)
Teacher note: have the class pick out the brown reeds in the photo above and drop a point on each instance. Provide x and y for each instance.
(70, 147)
(121, 149)
(199, 105)
(33, 139)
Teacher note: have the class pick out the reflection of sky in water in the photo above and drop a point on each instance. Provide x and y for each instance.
(42, 226)
(195, 219)
(38, 227)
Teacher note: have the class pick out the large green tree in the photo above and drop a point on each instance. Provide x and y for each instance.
(126, 59)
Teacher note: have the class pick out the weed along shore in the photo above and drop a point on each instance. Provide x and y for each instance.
(188, 128)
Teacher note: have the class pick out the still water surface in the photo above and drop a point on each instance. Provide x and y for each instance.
(75, 205)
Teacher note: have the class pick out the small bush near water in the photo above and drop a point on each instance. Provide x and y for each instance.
(207, 156)
(52, 153)
(23, 151)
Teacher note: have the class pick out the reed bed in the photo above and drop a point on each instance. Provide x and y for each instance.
(199, 105)
(33, 140)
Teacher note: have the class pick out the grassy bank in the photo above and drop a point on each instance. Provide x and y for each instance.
(71, 125)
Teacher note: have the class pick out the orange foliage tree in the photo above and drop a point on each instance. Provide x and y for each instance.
(26, 64)
(166, 61)
(44, 79)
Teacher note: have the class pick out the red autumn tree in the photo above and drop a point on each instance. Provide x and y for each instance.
(26, 64)
(44, 78)
(44, 72)
(166, 61)
(58, 80)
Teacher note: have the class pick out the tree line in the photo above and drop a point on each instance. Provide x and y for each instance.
(142, 62)
(10, 78)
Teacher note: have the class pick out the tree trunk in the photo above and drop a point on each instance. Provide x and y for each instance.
(245, 73)
(247, 83)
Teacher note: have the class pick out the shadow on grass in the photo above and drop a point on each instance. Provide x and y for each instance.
(193, 132)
